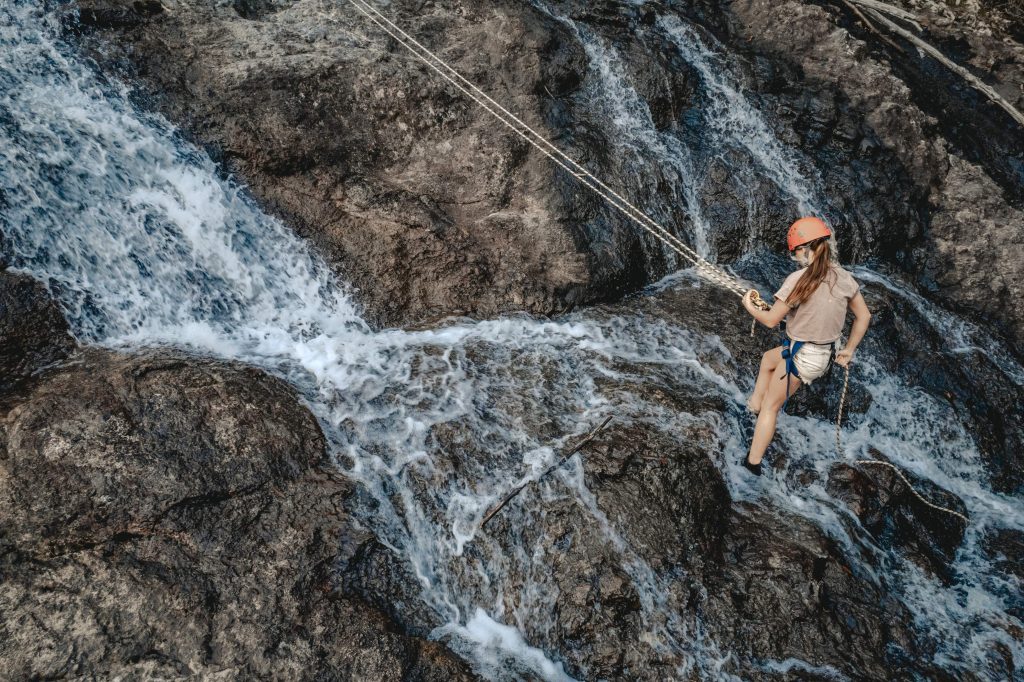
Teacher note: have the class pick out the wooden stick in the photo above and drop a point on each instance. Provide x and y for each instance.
(518, 489)
(870, 26)
(979, 85)
(891, 10)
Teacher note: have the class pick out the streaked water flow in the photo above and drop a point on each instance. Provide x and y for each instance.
(145, 244)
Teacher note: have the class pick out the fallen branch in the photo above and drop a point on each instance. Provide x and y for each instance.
(871, 27)
(978, 84)
(518, 489)
(891, 10)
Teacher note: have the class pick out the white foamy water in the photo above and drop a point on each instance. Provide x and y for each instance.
(963, 336)
(733, 120)
(635, 135)
(493, 640)
(733, 138)
(145, 245)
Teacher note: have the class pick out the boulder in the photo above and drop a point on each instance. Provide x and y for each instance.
(33, 331)
(757, 585)
(182, 521)
(782, 590)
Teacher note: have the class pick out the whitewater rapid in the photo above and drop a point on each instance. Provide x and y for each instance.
(144, 243)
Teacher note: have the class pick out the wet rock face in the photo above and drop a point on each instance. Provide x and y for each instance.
(178, 522)
(668, 501)
(969, 379)
(896, 518)
(762, 587)
(427, 205)
(919, 163)
(1009, 544)
(760, 584)
(1006, 546)
(645, 484)
(743, 567)
(33, 332)
(783, 590)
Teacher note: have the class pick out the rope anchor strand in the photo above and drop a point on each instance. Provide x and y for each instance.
(878, 462)
(703, 267)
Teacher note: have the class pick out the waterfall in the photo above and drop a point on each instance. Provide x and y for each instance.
(145, 244)
(732, 121)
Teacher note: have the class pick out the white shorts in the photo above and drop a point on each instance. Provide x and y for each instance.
(812, 361)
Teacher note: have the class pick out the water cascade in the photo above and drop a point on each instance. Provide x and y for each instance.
(145, 244)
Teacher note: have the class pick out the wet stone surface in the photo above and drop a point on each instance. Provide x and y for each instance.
(429, 215)
(182, 522)
(897, 518)
(33, 332)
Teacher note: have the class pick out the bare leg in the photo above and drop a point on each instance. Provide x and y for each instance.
(773, 400)
(769, 361)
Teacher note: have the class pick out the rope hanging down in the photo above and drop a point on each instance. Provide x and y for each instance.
(879, 462)
(704, 267)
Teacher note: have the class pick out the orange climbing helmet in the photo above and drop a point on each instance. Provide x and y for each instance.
(806, 230)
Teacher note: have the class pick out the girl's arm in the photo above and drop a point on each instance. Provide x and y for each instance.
(768, 318)
(862, 316)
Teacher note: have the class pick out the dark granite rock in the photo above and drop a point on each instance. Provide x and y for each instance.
(426, 204)
(923, 168)
(181, 521)
(897, 518)
(33, 332)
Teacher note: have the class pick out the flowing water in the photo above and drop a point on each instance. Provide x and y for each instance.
(144, 244)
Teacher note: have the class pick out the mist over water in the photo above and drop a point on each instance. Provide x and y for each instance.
(145, 244)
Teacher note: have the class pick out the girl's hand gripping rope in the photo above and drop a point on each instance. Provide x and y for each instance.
(754, 298)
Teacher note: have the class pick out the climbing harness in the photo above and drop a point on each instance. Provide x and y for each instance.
(789, 350)
(704, 267)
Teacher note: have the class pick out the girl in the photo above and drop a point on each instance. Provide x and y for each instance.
(815, 298)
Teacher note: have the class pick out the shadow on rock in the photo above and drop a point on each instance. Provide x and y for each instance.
(33, 332)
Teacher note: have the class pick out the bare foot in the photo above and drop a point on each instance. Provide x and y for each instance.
(752, 407)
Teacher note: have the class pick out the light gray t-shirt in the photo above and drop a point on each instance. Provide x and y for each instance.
(821, 317)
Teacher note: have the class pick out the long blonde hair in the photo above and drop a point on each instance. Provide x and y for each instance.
(816, 273)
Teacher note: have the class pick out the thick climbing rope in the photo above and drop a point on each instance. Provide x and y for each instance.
(704, 267)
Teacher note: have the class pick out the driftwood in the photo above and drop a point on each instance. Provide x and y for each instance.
(519, 488)
(877, 11)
